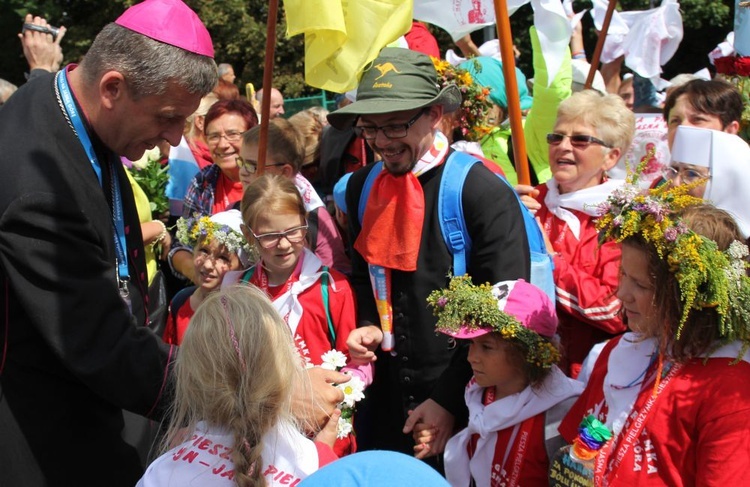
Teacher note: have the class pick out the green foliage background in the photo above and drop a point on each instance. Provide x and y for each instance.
(238, 30)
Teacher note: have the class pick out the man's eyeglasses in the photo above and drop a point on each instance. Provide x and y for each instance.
(686, 174)
(270, 240)
(395, 131)
(233, 136)
(252, 166)
(579, 141)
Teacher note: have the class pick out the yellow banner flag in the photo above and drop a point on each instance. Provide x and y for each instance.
(343, 36)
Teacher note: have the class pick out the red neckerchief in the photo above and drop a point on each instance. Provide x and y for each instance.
(612, 454)
(201, 153)
(394, 215)
(515, 448)
(227, 193)
(260, 279)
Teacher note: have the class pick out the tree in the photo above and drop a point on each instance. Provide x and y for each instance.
(238, 28)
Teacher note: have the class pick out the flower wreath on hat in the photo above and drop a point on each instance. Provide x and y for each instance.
(202, 228)
(464, 305)
(707, 277)
(476, 102)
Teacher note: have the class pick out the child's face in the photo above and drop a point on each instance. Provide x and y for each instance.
(636, 291)
(211, 262)
(490, 359)
(282, 256)
(249, 170)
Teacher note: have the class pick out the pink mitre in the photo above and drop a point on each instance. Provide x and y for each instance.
(526, 302)
(171, 22)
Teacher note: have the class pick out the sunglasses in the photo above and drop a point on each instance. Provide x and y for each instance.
(578, 141)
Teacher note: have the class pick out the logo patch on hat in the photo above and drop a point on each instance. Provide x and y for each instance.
(385, 68)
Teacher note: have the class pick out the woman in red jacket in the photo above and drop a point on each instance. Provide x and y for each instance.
(591, 133)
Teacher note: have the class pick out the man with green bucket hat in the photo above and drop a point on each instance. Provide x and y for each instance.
(399, 255)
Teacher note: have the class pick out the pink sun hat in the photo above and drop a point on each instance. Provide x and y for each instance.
(525, 302)
(171, 22)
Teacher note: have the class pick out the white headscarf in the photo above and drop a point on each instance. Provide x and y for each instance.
(727, 157)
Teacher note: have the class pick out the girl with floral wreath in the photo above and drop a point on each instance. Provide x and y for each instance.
(673, 390)
(218, 247)
(517, 388)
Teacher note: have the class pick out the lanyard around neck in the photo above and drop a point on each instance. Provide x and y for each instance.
(68, 104)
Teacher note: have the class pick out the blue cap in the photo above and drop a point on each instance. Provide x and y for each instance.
(488, 72)
(339, 192)
(376, 467)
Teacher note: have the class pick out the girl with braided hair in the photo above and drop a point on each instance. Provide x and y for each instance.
(232, 420)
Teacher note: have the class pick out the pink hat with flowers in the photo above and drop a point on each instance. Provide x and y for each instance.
(515, 310)
(468, 311)
(171, 22)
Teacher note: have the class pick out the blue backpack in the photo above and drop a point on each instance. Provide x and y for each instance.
(453, 226)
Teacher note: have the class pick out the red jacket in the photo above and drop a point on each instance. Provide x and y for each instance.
(586, 277)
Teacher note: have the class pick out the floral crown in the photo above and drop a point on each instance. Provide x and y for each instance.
(475, 104)
(192, 230)
(464, 308)
(707, 277)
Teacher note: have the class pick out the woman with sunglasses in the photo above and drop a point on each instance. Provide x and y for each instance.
(590, 134)
(316, 301)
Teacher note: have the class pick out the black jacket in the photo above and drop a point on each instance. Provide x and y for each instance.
(427, 364)
(72, 356)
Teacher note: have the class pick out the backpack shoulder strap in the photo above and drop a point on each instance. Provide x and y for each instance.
(326, 306)
(369, 181)
(450, 209)
(247, 275)
(533, 232)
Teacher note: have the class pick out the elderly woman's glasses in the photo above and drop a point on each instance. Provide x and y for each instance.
(270, 240)
(395, 131)
(579, 141)
(686, 174)
(233, 136)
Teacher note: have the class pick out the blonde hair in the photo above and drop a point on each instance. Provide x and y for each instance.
(206, 103)
(309, 127)
(608, 115)
(285, 144)
(236, 370)
(273, 194)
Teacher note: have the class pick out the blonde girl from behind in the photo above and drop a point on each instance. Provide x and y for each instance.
(231, 421)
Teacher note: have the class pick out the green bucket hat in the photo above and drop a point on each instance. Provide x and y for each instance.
(397, 80)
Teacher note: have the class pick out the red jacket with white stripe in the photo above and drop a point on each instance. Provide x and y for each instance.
(586, 277)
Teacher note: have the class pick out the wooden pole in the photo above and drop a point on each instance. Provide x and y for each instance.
(265, 105)
(511, 90)
(600, 44)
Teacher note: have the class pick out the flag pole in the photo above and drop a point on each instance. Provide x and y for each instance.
(600, 44)
(265, 105)
(511, 90)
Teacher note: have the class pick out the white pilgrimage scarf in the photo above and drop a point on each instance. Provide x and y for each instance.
(584, 200)
(287, 304)
(309, 196)
(288, 457)
(631, 357)
(501, 414)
